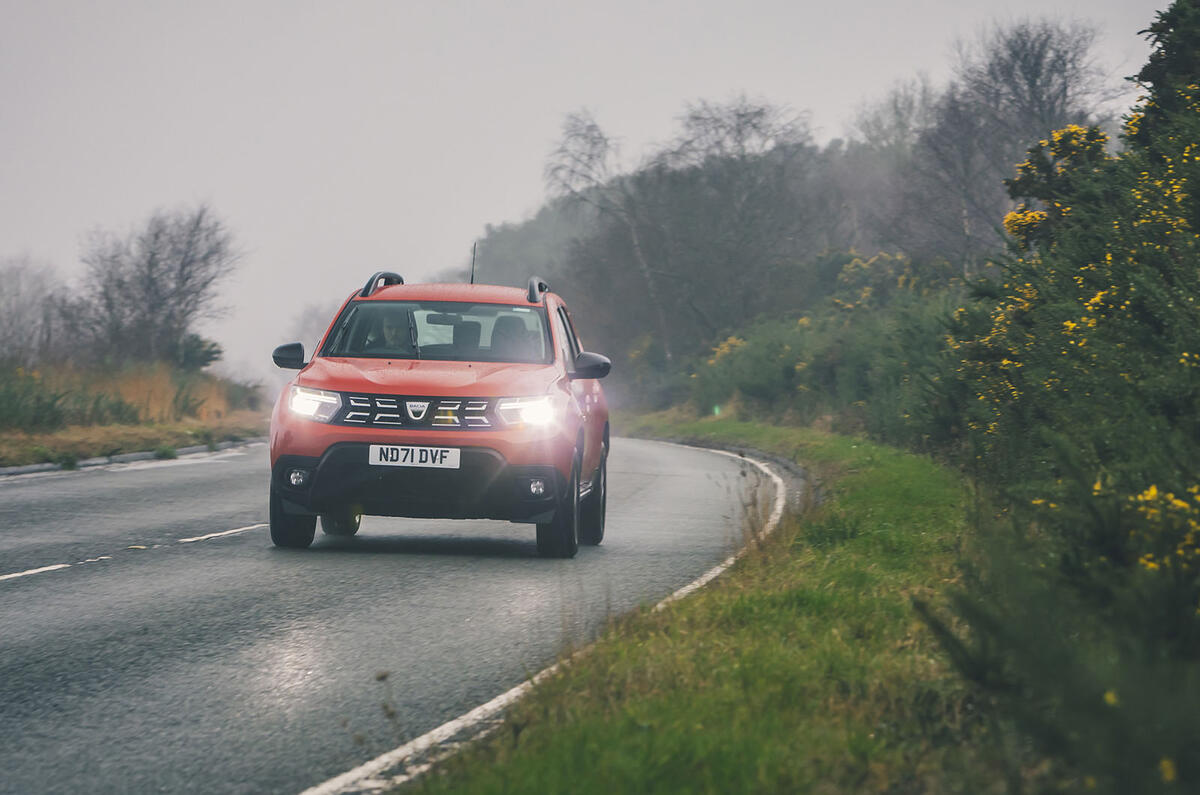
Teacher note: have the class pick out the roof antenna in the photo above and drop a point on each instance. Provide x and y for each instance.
(473, 245)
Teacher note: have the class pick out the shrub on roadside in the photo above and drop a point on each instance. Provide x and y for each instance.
(871, 367)
(1083, 411)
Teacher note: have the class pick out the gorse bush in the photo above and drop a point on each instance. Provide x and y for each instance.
(1078, 386)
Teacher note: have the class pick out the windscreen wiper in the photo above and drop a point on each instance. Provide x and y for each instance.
(412, 332)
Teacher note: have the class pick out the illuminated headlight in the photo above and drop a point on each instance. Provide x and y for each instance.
(537, 411)
(316, 404)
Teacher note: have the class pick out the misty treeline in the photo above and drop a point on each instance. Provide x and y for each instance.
(742, 215)
(140, 300)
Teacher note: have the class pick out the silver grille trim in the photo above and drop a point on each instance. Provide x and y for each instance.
(399, 411)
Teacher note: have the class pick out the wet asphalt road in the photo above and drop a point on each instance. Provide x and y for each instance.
(227, 665)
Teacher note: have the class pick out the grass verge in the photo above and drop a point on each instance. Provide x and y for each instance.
(803, 668)
(76, 443)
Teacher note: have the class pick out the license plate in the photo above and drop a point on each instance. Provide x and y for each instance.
(403, 455)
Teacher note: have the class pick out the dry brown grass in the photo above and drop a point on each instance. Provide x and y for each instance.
(155, 390)
(71, 444)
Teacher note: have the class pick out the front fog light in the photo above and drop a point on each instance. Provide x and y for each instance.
(537, 487)
(536, 411)
(316, 404)
(298, 478)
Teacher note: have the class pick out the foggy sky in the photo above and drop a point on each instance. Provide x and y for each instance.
(340, 138)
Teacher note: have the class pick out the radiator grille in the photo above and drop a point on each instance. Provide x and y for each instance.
(397, 411)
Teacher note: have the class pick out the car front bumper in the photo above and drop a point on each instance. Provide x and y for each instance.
(485, 486)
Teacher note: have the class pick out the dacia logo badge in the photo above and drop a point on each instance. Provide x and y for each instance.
(416, 409)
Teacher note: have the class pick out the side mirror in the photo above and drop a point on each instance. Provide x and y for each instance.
(591, 365)
(290, 356)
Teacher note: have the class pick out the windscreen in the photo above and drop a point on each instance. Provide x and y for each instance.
(441, 330)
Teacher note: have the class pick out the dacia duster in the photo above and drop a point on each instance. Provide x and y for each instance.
(457, 401)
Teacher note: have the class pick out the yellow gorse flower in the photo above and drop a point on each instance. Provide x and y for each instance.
(1022, 221)
(725, 348)
(1170, 524)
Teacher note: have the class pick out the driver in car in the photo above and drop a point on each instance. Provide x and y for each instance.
(393, 335)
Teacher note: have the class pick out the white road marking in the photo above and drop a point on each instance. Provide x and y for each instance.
(234, 531)
(27, 572)
(57, 566)
(364, 777)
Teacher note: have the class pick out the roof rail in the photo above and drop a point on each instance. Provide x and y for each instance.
(537, 286)
(388, 278)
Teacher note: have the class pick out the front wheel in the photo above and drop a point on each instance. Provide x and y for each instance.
(591, 513)
(290, 530)
(559, 538)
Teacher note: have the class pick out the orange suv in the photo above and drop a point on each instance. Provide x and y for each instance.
(456, 401)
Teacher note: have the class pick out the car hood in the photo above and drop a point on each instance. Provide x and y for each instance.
(428, 377)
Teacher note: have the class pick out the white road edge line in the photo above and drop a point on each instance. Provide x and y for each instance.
(486, 712)
(444, 732)
(27, 572)
(234, 531)
(772, 522)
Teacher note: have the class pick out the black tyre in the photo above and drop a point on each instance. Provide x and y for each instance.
(342, 523)
(591, 511)
(295, 531)
(560, 538)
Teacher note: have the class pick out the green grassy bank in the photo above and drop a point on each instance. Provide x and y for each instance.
(804, 668)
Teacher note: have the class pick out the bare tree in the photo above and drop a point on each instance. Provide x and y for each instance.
(957, 164)
(148, 290)
(586, 168)
(737, 131)
(1013, 85)
(893, 124)
(877, 167)
(711, 214)
(1034, 76)
(27, 317)
(734, 212)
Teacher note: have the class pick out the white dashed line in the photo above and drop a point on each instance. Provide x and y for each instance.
(58, 566)
(234, 531)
